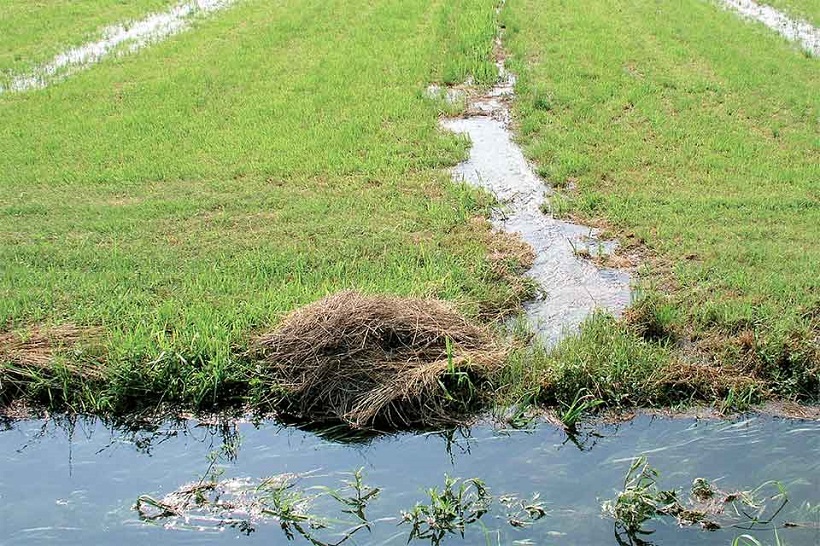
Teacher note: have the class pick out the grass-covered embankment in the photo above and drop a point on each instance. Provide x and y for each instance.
(693, 136)
(162, 209)
(169, 205)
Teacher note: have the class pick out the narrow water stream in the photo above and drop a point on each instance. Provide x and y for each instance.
(801, 32)
(116, 39)
(572, 287)
(76, 484)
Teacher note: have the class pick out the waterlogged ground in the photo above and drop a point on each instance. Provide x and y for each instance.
(64, 485)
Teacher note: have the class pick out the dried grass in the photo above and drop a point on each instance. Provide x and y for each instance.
(27, 357)
(368, 360)
(703, 381)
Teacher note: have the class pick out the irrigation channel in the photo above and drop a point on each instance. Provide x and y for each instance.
(801, 32)
(571, 287)
(77, 481)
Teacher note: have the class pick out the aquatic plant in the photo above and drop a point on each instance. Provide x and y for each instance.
(641, 499)
(241, 504)
(749, 540)
(523, 512)
(451, 509)
(570, 414)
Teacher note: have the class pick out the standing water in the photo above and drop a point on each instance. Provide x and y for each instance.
(75, 482)
(572, 287)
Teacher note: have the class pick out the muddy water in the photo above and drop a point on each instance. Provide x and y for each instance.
(805, 34)
(76, 485)
(117, 39)
(572, 287)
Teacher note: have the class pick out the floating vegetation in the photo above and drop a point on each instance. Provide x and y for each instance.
(214, 504)
(460, 503)
(523, 512)
(642, 500)
(452, 508)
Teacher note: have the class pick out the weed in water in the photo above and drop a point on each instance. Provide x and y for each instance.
(243, 505)
(523, 512)
(452, 508)
(750, 540)
(641, 500)
(570, 414)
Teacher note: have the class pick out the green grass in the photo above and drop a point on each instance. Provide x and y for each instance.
(694, 136)
(185, 198)
(32, 32)
(808, 10)
(189, 196)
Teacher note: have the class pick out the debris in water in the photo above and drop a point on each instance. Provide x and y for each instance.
(116, 39)
(806, 34)
(213, 504)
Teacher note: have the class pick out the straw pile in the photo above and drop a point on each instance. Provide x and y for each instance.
(378, 360)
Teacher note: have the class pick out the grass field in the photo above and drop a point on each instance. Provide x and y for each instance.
(32, 32)
(189, 196)
(178, 201)
(693, 136)
(808, 10)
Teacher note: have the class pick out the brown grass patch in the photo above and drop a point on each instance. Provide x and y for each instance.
(705, 382)
(30, 356)
(373, 360)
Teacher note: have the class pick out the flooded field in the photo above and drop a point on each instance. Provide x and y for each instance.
(77, 484)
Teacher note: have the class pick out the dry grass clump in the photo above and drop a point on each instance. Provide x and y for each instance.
(29, 358)
(370, 360)
(700, 381)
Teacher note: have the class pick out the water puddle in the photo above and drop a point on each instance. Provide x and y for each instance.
(572, 288)
(117, 39)
(806, 34)
(67, 482)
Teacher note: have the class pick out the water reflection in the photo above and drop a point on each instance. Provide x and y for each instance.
(67, 480)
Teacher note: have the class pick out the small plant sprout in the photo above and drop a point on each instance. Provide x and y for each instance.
(356, 503)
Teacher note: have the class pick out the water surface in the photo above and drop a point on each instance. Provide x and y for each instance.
(76, 485)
